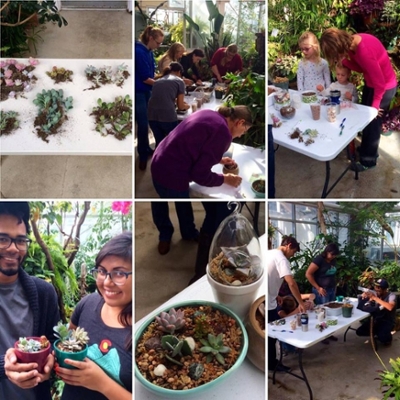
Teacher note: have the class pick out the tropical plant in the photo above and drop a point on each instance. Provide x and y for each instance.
(284, 66)
(390, 380)
(142, 19)
(214, 346)
(249, 90)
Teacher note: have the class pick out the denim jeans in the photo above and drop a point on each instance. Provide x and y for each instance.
(184, 211)
(161, 129)
(330, 296)
(141, 101)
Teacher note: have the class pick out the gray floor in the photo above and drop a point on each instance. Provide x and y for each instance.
(298, 176)
(89, 34)
(157, 277)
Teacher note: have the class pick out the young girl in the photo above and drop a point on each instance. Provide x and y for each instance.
(347, 89)
(173, 54)
(168, 92)
(106, 372)
(289, 305)
(313, 70)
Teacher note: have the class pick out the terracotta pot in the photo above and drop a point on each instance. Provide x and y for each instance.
(38, 357)
(234, 169)
(256, 352)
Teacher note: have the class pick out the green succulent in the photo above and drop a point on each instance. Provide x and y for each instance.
(175, 347)
(214, 345)
(72, 340)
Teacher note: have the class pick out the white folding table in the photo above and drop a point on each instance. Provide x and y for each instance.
(77, 135)
(329, 143)
(303, 340)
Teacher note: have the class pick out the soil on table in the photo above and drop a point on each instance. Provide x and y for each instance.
(9, 127)
(16, 74)
(200, 320)
(104, 80)
(41, 120)
(60, 75)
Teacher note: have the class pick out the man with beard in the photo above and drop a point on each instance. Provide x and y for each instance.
(28, 307)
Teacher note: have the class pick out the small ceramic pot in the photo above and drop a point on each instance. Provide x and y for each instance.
(231, 169)
(38, 357)
(256, 352)
(309, 97)
(62, 355)
(288, 112)
(256, 188)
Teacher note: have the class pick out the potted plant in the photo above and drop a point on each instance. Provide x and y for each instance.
(234, 270)
(255, 326)
(33, 349)
(71, 343)
(188, 348)
(283, 70)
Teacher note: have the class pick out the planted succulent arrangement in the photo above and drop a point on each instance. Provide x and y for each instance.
(52, 112)
(8, 122)
(105, 75)
(186, 348)
(16, 78)
(114, 118)
(33, 349)
(60, 74)
(70, 340)
(30, 345)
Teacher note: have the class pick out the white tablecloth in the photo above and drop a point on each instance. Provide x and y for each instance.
(77, 135)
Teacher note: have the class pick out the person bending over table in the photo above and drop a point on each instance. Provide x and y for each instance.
(226, 59)
(364, 53)
(383, 310)
(322, 275)
(189, 152)
(290, 307)
(278, 266)
(189, 62)
(168, 92)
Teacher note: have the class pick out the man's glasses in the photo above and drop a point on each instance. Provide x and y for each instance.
(118, 277)
(22, 242)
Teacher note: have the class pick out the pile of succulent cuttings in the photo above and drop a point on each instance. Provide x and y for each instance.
(235, 266)
(52, 112)
(60, 74)
(188, 347)
(16, 78)
(105, 75)
(32, 345)
(8, 122)
(298, 134)
(114, 118)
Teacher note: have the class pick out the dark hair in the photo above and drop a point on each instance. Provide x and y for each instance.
(331, 248)
(18, 209)
(150, 31)
(289, 304)
(236, 112)
(172, 67)
(196, 52)
(290, 240)
(120, 246)
(335, 42)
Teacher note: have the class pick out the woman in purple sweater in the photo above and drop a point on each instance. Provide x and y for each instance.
(364, 53)
(189, 152)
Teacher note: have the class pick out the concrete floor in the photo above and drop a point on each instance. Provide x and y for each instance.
(298, 176)
(89, 34)
(338, 371)
(157, 277)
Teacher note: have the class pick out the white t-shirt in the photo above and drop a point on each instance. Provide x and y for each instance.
(278, 267)
(348, 87)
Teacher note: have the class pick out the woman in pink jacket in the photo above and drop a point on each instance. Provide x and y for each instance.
(364, 53)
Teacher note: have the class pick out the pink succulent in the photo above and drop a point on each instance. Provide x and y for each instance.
(123, 206)
(32, 61)
(11, 61)
(2, 64)
(8, 73)
(19, 67)
(9, 82)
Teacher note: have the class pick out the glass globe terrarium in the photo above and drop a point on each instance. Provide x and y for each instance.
(235, 270)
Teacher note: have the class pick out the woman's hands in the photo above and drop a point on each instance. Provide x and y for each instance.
(230, 179)
(26, 376)
(227, 161)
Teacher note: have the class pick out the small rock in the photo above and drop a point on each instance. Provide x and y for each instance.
(190, 341)
(236, 283)
(159, 370)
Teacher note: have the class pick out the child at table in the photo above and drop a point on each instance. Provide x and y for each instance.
(312, 70)
(347, 89)
(289, 305)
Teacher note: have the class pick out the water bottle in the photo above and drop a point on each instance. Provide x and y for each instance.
(304, 322)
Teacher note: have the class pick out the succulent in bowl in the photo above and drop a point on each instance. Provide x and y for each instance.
(258, 187)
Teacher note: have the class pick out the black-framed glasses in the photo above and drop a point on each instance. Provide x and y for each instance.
(21, 242)
(118, 277)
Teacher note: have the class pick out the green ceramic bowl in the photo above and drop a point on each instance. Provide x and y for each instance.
(178, 394)
(61, 356)
(255, 188)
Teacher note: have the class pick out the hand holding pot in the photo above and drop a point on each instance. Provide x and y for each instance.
(227, 161)
(25, 375)
(232, 180)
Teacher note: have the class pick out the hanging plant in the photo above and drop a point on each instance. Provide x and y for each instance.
(114, 118)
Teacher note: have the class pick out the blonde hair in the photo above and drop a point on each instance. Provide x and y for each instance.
(236, 112)
(314, 43)
(150, 31)
(173, 50)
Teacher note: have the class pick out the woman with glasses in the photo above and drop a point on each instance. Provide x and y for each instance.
(226, 59)
(313, 70)
(145, 69)
(189, 152)
(106, 315)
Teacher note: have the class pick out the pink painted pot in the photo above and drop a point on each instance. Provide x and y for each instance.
(38, 357)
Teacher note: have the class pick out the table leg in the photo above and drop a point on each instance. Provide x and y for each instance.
(327, 175)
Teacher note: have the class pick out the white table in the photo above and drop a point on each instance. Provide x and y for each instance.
(328, 144)
(303, 340)
(77, 135)
(247, 383)
(251, 164)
